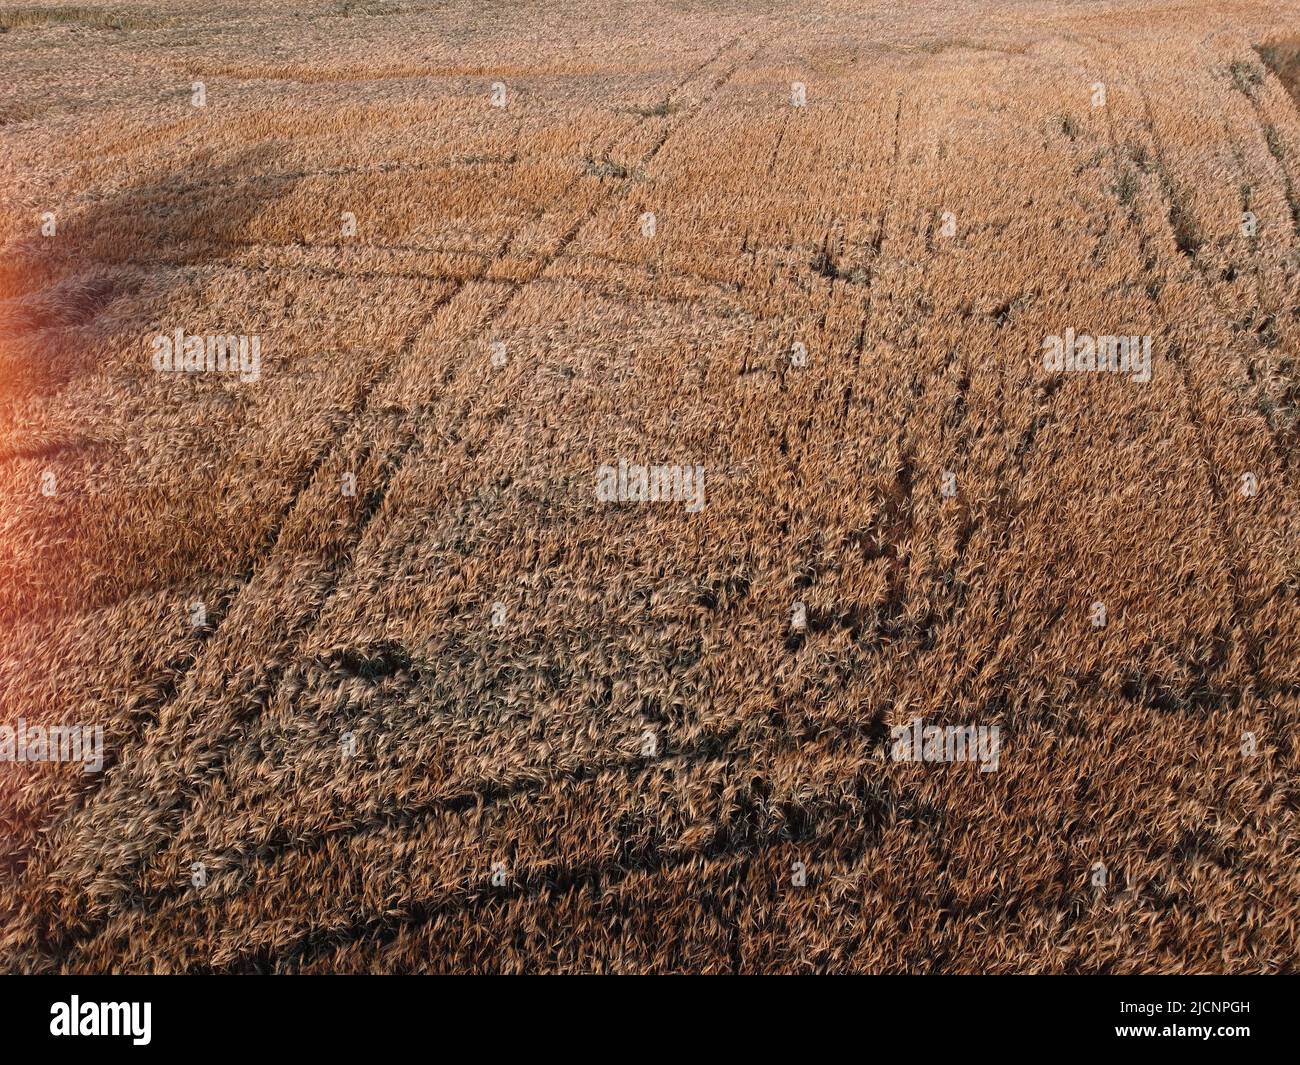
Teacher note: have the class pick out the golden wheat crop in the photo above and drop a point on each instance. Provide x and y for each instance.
(387, 684)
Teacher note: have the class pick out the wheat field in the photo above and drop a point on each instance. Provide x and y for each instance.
(398, 669)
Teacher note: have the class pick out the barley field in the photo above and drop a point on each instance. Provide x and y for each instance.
(637, 436)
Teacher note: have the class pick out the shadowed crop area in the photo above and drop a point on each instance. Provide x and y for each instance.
(605, 487)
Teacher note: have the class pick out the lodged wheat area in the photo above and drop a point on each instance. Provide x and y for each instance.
(608, 487)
